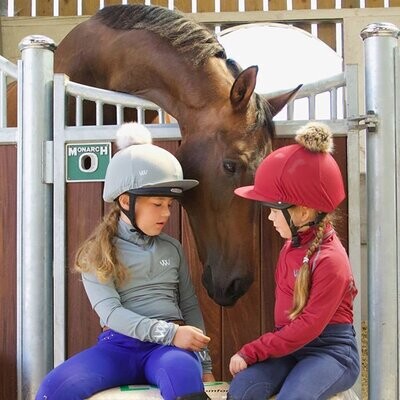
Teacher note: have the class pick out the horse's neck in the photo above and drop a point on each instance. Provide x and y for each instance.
(141, 63)
(176, 87)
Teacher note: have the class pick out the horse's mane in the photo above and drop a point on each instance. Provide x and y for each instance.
(188, 37)
(264, 115)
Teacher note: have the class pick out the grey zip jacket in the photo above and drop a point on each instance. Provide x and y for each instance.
(158, 290)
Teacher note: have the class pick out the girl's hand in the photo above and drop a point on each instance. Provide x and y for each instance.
(190, 338)
(237, 364)
(208, 377)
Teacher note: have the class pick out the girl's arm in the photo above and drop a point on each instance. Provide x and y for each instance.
(106, 301)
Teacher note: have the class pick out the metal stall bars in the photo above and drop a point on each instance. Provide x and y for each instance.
(35, 215)
(380, 43)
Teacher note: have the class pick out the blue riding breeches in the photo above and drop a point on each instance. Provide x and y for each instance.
(118, 360)
(324, 367)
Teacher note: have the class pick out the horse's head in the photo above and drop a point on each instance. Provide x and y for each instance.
(224, 155)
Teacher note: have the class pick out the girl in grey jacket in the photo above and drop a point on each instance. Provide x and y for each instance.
(138, 282)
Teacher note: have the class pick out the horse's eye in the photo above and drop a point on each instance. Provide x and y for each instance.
(229, 166)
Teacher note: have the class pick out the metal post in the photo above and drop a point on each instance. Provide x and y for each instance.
(380, 41)
(35, 324)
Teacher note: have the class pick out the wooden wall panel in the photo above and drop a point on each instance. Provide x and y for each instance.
(8, 272)
(22, 8)
(44, 8)
(254, 5)
(229, 5)
(206, 6)
(350, 3)
(68, 8)
(276, 5)
(84, 212)
(90, 7)
(374, 3)
(183, 5)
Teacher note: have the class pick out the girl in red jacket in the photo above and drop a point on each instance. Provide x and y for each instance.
(312, 352)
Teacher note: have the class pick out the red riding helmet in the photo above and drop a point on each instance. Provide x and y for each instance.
(303, 174)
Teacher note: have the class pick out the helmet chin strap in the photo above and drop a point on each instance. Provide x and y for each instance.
(295, 229)
(130, 213)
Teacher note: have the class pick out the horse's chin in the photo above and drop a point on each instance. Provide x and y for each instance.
(226, 292)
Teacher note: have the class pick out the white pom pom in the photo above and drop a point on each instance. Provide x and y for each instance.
(132, 133)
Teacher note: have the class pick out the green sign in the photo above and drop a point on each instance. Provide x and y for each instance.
(87, 162)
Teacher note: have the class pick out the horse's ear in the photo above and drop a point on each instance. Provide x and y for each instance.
(278, 102)
(243, 88)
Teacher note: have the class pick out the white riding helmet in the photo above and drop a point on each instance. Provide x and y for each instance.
(143, 169)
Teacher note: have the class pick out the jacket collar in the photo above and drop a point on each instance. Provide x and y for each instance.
(128, 232)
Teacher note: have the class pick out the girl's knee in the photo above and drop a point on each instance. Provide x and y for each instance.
(178, 373)
(245, 387)
(69, 387)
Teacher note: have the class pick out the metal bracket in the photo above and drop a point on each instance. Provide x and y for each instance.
(367, 122)
(47, 160)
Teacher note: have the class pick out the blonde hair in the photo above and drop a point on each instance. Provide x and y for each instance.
(98, 254)
(303, 279)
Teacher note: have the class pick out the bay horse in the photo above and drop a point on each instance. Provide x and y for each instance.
(169, 59)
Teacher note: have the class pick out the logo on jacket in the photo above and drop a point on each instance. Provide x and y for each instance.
(165, 262)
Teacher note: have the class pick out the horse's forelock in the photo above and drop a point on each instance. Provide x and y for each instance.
(187, 36)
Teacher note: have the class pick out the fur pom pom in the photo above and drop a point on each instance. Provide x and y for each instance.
(132, 133)
(315, 137)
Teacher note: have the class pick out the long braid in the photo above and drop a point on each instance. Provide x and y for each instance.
(303, 279)
(98, 254)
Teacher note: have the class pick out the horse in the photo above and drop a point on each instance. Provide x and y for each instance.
(227, 128)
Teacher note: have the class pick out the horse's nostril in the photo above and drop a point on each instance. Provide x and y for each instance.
(235, 289)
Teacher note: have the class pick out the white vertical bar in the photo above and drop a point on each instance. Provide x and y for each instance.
(194, 6)
(101, 5)
(56, 8)
(120, 114)
(289, 5)
(242, 5)
(33, 6)
(59, 220)
(171, 4)
(79, 7)
(217, 5)
(265, 5)
(99, 112)
(354, 201)
(314, 30)
(10, 8)
(339, 39)
(78, 111)
(3, 99)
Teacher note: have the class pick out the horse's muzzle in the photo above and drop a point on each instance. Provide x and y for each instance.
(225, 291)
